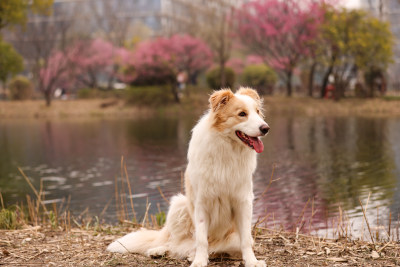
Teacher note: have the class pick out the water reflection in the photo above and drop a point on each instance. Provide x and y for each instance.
(335, 161)
(321, 163)
(85, 155)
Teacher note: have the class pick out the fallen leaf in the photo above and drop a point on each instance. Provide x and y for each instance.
(5, 252)
(375, 255)
(328, 251)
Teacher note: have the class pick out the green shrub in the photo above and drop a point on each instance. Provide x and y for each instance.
(214, 78)
(375, 81)
(86, 93)
(161, 218)
(391, 98)
(8, 219)
(21, 88)
(90, 93)
(260, 77)
(149, 95)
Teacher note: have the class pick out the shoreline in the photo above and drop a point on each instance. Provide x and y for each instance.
(327, 107)
(116, 108)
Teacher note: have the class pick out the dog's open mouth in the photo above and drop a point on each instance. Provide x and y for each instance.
(253, 142)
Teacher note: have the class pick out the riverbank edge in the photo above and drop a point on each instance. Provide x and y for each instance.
(46, 246)
(116, 108)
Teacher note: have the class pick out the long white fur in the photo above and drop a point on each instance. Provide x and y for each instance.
(219, 174)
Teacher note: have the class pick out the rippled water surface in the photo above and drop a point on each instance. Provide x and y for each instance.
(319, 164)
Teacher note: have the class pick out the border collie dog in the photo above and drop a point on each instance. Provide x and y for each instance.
(214, 215)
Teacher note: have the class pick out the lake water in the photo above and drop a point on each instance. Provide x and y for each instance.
(331, 161)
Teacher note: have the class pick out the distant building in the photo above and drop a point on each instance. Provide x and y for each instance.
(93, 18)
(176, 14)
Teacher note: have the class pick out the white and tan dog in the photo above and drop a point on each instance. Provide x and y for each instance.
(215, 214)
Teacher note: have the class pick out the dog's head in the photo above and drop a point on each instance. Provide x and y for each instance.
(239, 116)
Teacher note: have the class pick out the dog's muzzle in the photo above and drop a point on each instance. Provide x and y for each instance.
(264, 129)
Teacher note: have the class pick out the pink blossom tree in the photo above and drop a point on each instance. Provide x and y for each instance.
(254, 60)
(81, 64)
(94, 58)
(159, 61)
(191, 55)
(56, 72)
(124, 61)
(153, 62)
(280, 32)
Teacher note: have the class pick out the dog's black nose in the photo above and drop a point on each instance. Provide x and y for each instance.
(264, 129)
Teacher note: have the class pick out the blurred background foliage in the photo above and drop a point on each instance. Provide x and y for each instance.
(314, 48)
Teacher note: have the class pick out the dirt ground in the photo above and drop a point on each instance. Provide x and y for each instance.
(44, 246)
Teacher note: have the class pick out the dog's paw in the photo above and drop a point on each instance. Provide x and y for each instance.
(256, 264)
(191, 256)
(199, 263)
(156, 252)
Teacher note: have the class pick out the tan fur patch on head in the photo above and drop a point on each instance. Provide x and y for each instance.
(249, 92)
(253, 94)
(220, 98)
(225, 116)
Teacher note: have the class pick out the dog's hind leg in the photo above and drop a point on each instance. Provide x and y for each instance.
(180, 226)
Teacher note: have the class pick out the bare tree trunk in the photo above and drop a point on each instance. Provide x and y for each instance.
(338, 92)
(289, 83)
(326, 76)
(47, 95)
(380, 9)
(222, 52)
(222, 74)
(371, 90)
(311, 79)
(174, 89)
(111, 78)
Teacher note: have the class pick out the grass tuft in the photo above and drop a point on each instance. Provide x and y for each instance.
(8, 219)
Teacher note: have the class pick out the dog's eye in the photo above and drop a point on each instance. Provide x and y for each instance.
(242, 114)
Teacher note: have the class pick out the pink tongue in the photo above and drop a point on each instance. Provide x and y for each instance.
(257, 144)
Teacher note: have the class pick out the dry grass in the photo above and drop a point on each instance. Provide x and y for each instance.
(70, 108)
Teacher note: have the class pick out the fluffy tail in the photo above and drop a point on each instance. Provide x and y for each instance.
(139, 242)
(176, 237)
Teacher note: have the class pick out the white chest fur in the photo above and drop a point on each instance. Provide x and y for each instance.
(219, 164)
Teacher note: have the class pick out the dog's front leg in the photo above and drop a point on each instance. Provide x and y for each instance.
(201, 221)
(243, 212)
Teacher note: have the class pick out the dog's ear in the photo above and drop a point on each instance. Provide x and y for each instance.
(220, 98)
(249, 92)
